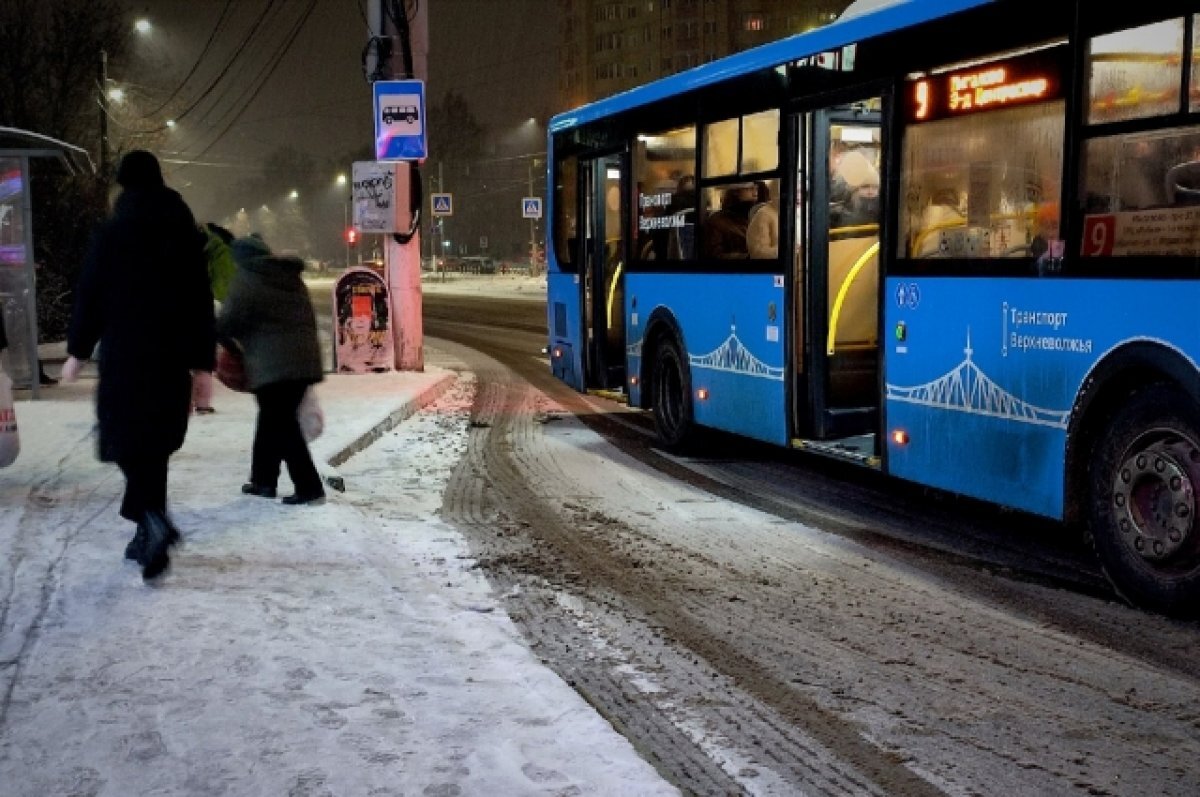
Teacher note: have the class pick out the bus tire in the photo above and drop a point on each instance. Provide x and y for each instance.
(1145, 501)
(672, 396)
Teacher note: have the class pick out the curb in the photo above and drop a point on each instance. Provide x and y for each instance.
(393, 419)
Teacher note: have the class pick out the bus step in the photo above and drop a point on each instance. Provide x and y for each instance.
(860, 450)
(612, 395)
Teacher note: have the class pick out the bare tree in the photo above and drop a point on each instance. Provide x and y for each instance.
(49, 84)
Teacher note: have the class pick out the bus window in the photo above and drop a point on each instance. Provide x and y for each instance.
(663, 166)
(760, 142)
(983, 177)
(1136, 171)
(735, 151)
(1126, 174)
(1134, 74)
(721, 148)
(1194, 81)
(565, 195)
(742, 145)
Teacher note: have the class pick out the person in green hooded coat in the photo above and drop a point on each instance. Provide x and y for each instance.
(221, 269)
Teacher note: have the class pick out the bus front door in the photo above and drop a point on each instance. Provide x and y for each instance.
(841, 286)
(604, 275)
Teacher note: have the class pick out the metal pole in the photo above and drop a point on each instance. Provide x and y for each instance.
(442, 224)
(532, 233)
(104, 115)
(35, 361)
(346, 228)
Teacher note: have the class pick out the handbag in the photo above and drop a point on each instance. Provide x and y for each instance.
(310, 415)
(10, 439)
(231, 368)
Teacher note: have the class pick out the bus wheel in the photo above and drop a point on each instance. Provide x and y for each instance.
(672, 396)
(1145, 517)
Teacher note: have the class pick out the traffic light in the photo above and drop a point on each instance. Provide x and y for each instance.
(352, 236)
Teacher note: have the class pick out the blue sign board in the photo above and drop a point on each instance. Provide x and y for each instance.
(443, 204)
(399, 120)
(531, 207)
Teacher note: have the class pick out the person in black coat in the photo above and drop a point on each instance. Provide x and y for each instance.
(268, 315)
(144, 297)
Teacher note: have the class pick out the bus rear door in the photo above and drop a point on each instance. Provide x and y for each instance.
(837, 291)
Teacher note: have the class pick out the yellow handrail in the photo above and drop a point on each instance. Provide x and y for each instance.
(863, 259)
(612, 290)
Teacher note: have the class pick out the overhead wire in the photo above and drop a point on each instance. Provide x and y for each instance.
(212, 37)
(269, 70)
(234, 86)
(229, 64)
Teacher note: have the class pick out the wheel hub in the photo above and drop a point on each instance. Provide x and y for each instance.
(1155, 502)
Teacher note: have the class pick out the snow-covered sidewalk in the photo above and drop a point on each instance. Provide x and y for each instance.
(347, 649)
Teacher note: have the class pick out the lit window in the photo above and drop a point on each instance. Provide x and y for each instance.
(754, 22)
(1133, 74)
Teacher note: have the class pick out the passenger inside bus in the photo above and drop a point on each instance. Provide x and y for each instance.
(723, 234)
(683, 209)
(762, 233)
(944, 212)
(853, 188)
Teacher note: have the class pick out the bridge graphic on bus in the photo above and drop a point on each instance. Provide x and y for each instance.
(731, 356)
(968, 389)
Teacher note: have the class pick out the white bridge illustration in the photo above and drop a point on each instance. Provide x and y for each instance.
(731, 356)
(969, 389)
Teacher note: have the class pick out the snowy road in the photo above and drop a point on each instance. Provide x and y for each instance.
(747, 652)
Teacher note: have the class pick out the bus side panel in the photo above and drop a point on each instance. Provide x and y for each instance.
(982, 374)
(565, 327)
(733, 328)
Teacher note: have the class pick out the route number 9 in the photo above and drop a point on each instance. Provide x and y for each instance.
(1098, 234)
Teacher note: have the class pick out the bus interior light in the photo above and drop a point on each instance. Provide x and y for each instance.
(900, 437)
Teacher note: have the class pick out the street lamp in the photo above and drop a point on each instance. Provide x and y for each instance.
(143, 27)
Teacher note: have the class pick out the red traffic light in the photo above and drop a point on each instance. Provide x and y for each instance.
(351, 236)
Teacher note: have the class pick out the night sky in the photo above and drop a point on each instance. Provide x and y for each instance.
(499, 54)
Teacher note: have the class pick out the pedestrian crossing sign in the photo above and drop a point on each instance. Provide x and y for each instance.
(531, 207)
(443, 204)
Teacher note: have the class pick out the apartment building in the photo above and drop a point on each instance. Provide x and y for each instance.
(607, 46)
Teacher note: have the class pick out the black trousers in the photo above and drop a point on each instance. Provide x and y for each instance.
(145, 485)
(277, 438)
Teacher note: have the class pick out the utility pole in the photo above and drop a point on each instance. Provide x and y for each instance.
(103, 76)
(532, 231)
(408, 59)
(441, 223)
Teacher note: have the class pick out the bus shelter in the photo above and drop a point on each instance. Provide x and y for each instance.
(18, 280)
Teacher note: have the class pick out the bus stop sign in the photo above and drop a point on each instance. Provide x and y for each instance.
(399, 120)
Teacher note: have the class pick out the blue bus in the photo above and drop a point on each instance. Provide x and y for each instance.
(956, 242)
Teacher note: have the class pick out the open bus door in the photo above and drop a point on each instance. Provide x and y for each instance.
(838, 395)
(603, 282)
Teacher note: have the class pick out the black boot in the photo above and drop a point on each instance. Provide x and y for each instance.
(133, 551)
(154, 559)
(261, 490)
(135, 547)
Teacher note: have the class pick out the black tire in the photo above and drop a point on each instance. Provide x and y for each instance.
(387, 120)
(673, 420)
(1145, 502)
